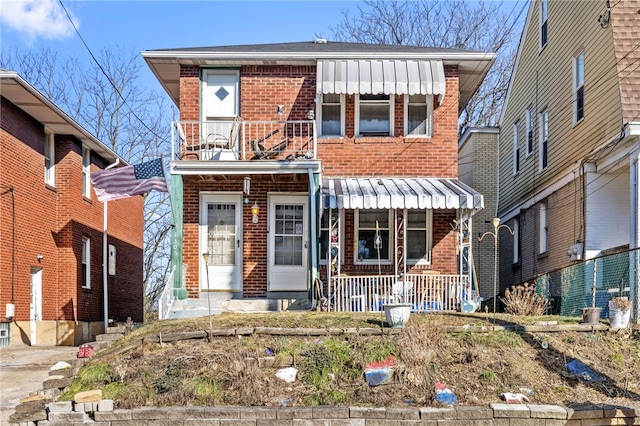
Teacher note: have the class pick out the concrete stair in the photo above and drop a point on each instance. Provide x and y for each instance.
(192, 308)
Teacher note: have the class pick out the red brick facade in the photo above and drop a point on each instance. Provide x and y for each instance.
(39, 219)
(262, 88)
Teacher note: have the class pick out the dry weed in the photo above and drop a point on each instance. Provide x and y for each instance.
(523, 300)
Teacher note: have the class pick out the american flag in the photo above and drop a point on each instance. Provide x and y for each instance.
(124, 182)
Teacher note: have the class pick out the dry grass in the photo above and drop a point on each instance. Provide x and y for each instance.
(477, 367)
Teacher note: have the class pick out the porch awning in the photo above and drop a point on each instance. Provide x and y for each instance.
(398, 193)
(376, 76)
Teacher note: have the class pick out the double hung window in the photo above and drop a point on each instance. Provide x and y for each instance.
(373, 233)
(529, 129)
(86, 169)
(374, 115)
(542, 223)
(418, 236)
(50, 160)
(331, 234)
(332, 115)
(543, 14)
(578, 88)
(544, 139)
(86, 262)
(516, 148)
(418, 115)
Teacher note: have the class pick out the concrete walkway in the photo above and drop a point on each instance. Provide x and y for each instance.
(23, 369)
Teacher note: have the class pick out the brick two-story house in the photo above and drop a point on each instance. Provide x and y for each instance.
(292, 157)
(52, 227)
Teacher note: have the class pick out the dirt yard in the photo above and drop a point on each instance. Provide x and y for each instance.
(478, 367)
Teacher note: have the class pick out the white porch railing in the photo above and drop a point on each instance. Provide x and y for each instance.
(167, 297)
(425, 292)
(244, 140)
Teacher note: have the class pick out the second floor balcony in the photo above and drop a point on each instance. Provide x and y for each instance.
(242, 140)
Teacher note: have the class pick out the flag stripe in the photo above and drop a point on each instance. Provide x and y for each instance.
(113, 184)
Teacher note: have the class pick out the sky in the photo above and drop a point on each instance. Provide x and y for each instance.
(147, 25)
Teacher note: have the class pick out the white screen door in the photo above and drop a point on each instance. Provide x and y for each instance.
(35, 306)
(220, 225)
(288, 242)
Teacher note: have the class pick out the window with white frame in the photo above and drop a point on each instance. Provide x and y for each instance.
(578, 87)
(331, 115)
(529, 129)
(373, 234)
(543, 14)
(50, 160)
(516, 240)
(374, 115)
(516, 148)
(544, 139)
(418, 116)
(542, 212)
(86, 262)
(418, 236)
(330, 238)
(86, 169)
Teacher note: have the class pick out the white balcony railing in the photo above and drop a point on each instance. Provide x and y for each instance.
(432, 292)
(244, 140)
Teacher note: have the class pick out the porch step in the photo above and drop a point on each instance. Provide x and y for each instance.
(192, 308)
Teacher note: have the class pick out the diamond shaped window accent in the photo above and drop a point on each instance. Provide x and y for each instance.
(221, 93)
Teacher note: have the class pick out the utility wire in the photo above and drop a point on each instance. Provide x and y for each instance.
(124, 101)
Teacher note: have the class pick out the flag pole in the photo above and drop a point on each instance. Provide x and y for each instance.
(105, 294)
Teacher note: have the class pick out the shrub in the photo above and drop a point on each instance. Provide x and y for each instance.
(523, 300)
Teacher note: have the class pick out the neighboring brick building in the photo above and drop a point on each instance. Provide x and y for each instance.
(51, 227)
(478, 168)
(333, 145)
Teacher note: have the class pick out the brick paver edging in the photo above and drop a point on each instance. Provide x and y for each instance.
(102, 413)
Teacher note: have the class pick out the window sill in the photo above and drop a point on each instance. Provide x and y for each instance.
(372, 262)
(375, 139)
(330, 139)
(418, 139)
(86, 289)
(543, 255)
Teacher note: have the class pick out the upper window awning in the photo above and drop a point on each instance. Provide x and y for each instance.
(399, 193)
(381, 76)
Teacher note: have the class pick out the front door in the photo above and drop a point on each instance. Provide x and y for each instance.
(220, 106)
(288, 242)
(35, 305)
(221, 238)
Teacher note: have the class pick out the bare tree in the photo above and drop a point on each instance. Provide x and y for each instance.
(107, 99)
(481, 26)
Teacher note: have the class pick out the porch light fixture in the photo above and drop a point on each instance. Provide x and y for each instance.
(255, 209)
(496, 226)
(205, 257)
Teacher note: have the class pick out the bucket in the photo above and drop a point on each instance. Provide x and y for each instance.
(618, 318)
(591, 315)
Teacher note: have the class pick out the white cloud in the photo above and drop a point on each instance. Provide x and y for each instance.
(37, 18)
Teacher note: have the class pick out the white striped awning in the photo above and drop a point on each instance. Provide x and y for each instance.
(381, 76)
(398, 193)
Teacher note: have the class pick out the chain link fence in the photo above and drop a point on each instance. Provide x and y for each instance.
(589, 283)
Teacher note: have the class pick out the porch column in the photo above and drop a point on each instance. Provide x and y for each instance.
(634, 264)
(177, 235)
